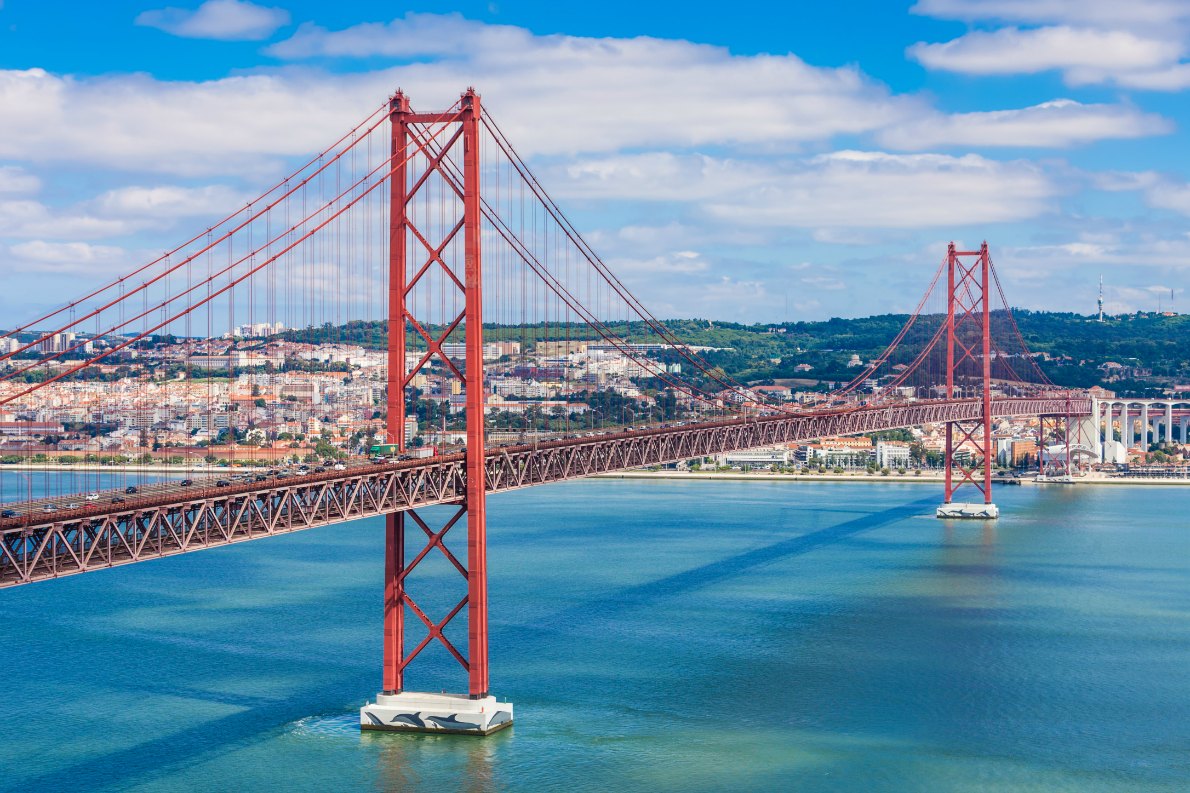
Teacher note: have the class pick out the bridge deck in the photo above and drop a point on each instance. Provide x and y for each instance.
(172, 519)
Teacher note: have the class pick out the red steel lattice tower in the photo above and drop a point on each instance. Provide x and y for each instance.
(968, 350)
(427, 161)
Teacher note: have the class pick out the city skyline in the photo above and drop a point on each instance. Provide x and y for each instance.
(1051, 129)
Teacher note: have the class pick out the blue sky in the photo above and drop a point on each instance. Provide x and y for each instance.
(796, 159)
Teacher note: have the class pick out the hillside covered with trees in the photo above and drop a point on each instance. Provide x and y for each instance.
(1151, 351)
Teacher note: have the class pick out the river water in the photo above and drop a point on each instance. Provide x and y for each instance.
(653, 636)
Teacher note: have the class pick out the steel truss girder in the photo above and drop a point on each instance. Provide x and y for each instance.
(134, 532)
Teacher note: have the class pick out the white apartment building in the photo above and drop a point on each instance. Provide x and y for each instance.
(891, 454)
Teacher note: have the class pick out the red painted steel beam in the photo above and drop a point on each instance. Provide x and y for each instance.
(477, 554)
(398, 183)
(988, 448)
(39, 547)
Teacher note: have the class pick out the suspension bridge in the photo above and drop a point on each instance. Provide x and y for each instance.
(423, 239)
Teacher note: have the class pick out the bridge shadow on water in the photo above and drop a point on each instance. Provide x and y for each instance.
(143, 763)
(609, 606)
(261, 717)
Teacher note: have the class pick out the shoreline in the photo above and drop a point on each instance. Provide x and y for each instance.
(734, 476)
(931, 478)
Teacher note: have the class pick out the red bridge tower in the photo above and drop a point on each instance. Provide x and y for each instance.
(423, 161)
(969, 356)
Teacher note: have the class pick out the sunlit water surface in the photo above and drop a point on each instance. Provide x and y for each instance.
(654, 636)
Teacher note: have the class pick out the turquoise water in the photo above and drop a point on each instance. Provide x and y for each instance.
(684, 636)
(22, 486)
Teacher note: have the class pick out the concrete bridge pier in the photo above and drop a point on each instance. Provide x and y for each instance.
(968, 511)
(456, 714)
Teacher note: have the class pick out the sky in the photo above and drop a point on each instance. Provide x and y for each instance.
(756, 163)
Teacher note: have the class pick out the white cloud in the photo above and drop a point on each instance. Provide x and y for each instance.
(677, 262)
(824, 282)
(115, 213)
(1057, 124)
(558, 95)
(237, 125)
(168, 201)
(554, 95)
(27, 218)
(226, 20)
(1173, 78)
(1137, 44)
(65, 257)
(413, 36)
(860, 237)
(846, 189)
(667, 236)
(564, 94)
(1138, 250)
(718, 296)
(1119, 181)
(1082, 52)
(657, 176)
(1108, 13)
(716, 148)
(832, 194)
(1159, 191)
(1064, 273)
(17, 180)
(1168, 195)
(1127, 299)
(874, 189)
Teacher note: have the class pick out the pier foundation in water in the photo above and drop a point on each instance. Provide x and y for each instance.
(411, 711)
(968, 511)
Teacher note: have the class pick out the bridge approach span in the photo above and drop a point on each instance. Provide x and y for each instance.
(39, 546)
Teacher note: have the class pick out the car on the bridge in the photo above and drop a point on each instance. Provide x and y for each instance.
(186, 482)
(92, 496)
(130, 489)
(222, 483)
(48, 508)
(9, 513)
(73, 505)
(117, 499)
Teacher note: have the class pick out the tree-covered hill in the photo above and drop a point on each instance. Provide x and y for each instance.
(1153, 350)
